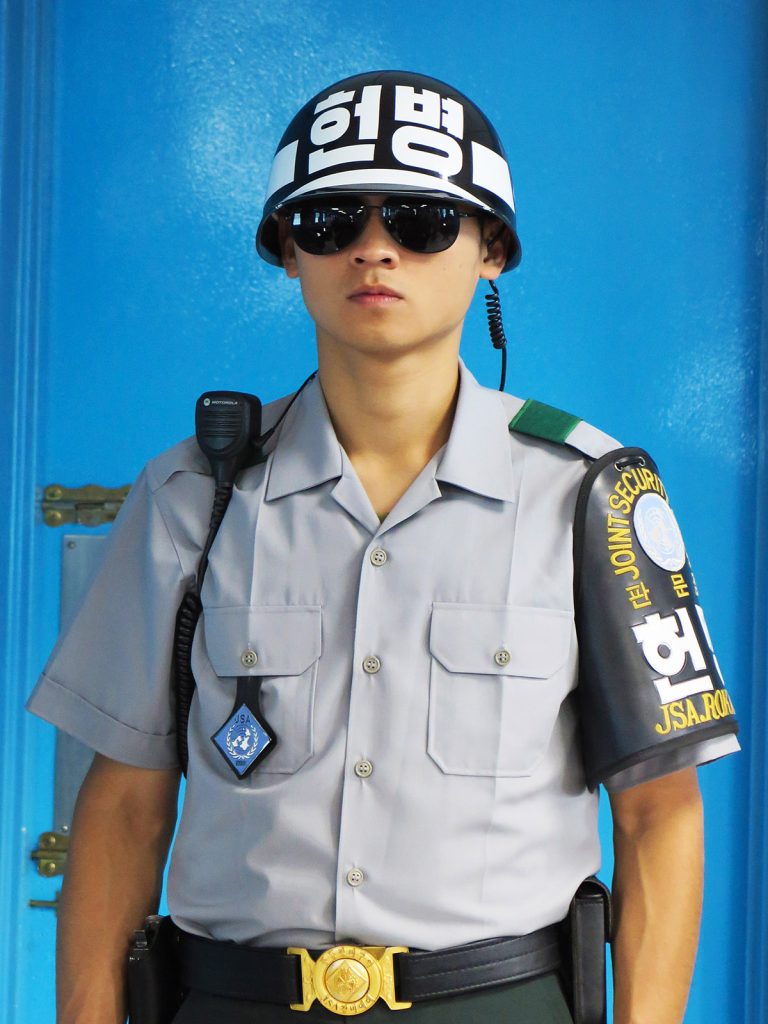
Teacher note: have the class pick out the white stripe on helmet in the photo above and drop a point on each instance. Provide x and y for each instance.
(283, 168)
(490, 171)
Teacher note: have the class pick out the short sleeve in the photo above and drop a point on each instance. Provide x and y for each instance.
(107, 681)
(664, 763)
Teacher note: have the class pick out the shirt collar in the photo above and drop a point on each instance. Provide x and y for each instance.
(307, 451)
(476, 456)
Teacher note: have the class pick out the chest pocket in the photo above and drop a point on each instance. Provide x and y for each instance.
(287, 642)
(498, 676)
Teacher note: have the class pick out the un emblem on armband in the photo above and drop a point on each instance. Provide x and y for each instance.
(658, 532)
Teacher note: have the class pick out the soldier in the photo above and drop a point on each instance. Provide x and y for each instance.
(430, 619)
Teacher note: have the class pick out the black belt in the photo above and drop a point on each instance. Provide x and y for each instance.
(346, 979)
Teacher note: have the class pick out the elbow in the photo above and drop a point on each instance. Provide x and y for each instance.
(673, 801)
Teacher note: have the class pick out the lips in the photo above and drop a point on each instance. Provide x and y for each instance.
(375, 295)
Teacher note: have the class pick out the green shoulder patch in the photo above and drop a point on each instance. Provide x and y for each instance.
(545, 421)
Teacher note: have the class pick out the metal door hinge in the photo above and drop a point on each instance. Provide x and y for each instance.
(88, 506)
(51, 853)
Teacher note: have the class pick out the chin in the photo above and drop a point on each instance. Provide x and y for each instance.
(382, 346)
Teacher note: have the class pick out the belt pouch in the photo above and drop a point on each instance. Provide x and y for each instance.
(154, 976)
(587, 931)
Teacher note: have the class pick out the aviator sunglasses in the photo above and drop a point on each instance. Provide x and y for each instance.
(328, 225)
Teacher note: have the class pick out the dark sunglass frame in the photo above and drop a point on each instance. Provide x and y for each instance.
(328, 225)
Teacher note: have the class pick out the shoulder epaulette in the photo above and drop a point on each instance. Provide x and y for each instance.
(536, 419)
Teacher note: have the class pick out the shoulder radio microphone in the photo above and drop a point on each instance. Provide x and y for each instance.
(228, 430)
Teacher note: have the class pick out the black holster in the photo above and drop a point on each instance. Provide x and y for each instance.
(585, 933)
(154, 973)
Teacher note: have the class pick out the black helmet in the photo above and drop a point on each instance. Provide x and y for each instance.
(390, 131)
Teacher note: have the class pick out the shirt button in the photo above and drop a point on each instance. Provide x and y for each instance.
(355, 876)
(371, 664)
(502, 656)
(363, 769)
(378, 556)
(248, 658)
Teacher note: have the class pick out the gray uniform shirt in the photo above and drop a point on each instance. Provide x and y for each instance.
(427, 788)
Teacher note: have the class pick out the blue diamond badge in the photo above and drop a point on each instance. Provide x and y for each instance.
(242, 739)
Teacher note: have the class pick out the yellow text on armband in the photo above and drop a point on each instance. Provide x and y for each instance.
(624, 562)
(683, 714)
(632, 482)
(620, 547)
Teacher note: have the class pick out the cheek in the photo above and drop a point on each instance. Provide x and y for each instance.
(310, 275)
(320, 288)
(311, 295)
(459, 278)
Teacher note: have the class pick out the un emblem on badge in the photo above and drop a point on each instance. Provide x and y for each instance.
(658, 532)
(242, 740)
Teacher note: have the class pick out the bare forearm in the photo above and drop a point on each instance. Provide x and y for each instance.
(113, 880)
(657, 892)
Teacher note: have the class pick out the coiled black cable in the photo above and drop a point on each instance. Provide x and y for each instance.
(186, 624)
(496, 328)
(183, 680)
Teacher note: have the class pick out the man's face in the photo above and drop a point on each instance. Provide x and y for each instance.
(379, 298)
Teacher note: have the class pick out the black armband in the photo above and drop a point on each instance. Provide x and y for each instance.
(648, 677)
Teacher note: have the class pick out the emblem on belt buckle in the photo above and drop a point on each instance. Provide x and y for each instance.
(349, 979)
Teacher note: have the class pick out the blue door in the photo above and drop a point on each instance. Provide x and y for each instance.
(137, 139)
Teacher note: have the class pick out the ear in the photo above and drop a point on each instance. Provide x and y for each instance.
(496, 242)
(287, 247)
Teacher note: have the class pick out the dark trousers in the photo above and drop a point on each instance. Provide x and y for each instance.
(539, 1001)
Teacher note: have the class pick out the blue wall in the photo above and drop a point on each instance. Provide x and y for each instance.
(636, 135)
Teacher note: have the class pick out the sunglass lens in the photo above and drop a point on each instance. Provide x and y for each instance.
(422, 226)
(325, 228)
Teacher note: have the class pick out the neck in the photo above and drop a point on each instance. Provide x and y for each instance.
(396, 411)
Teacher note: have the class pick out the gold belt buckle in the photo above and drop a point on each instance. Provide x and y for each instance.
(349, 979)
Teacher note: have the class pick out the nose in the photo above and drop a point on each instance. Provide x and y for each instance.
(375, 245)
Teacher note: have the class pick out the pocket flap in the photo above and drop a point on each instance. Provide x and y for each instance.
(285, 639)
(468, 638)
